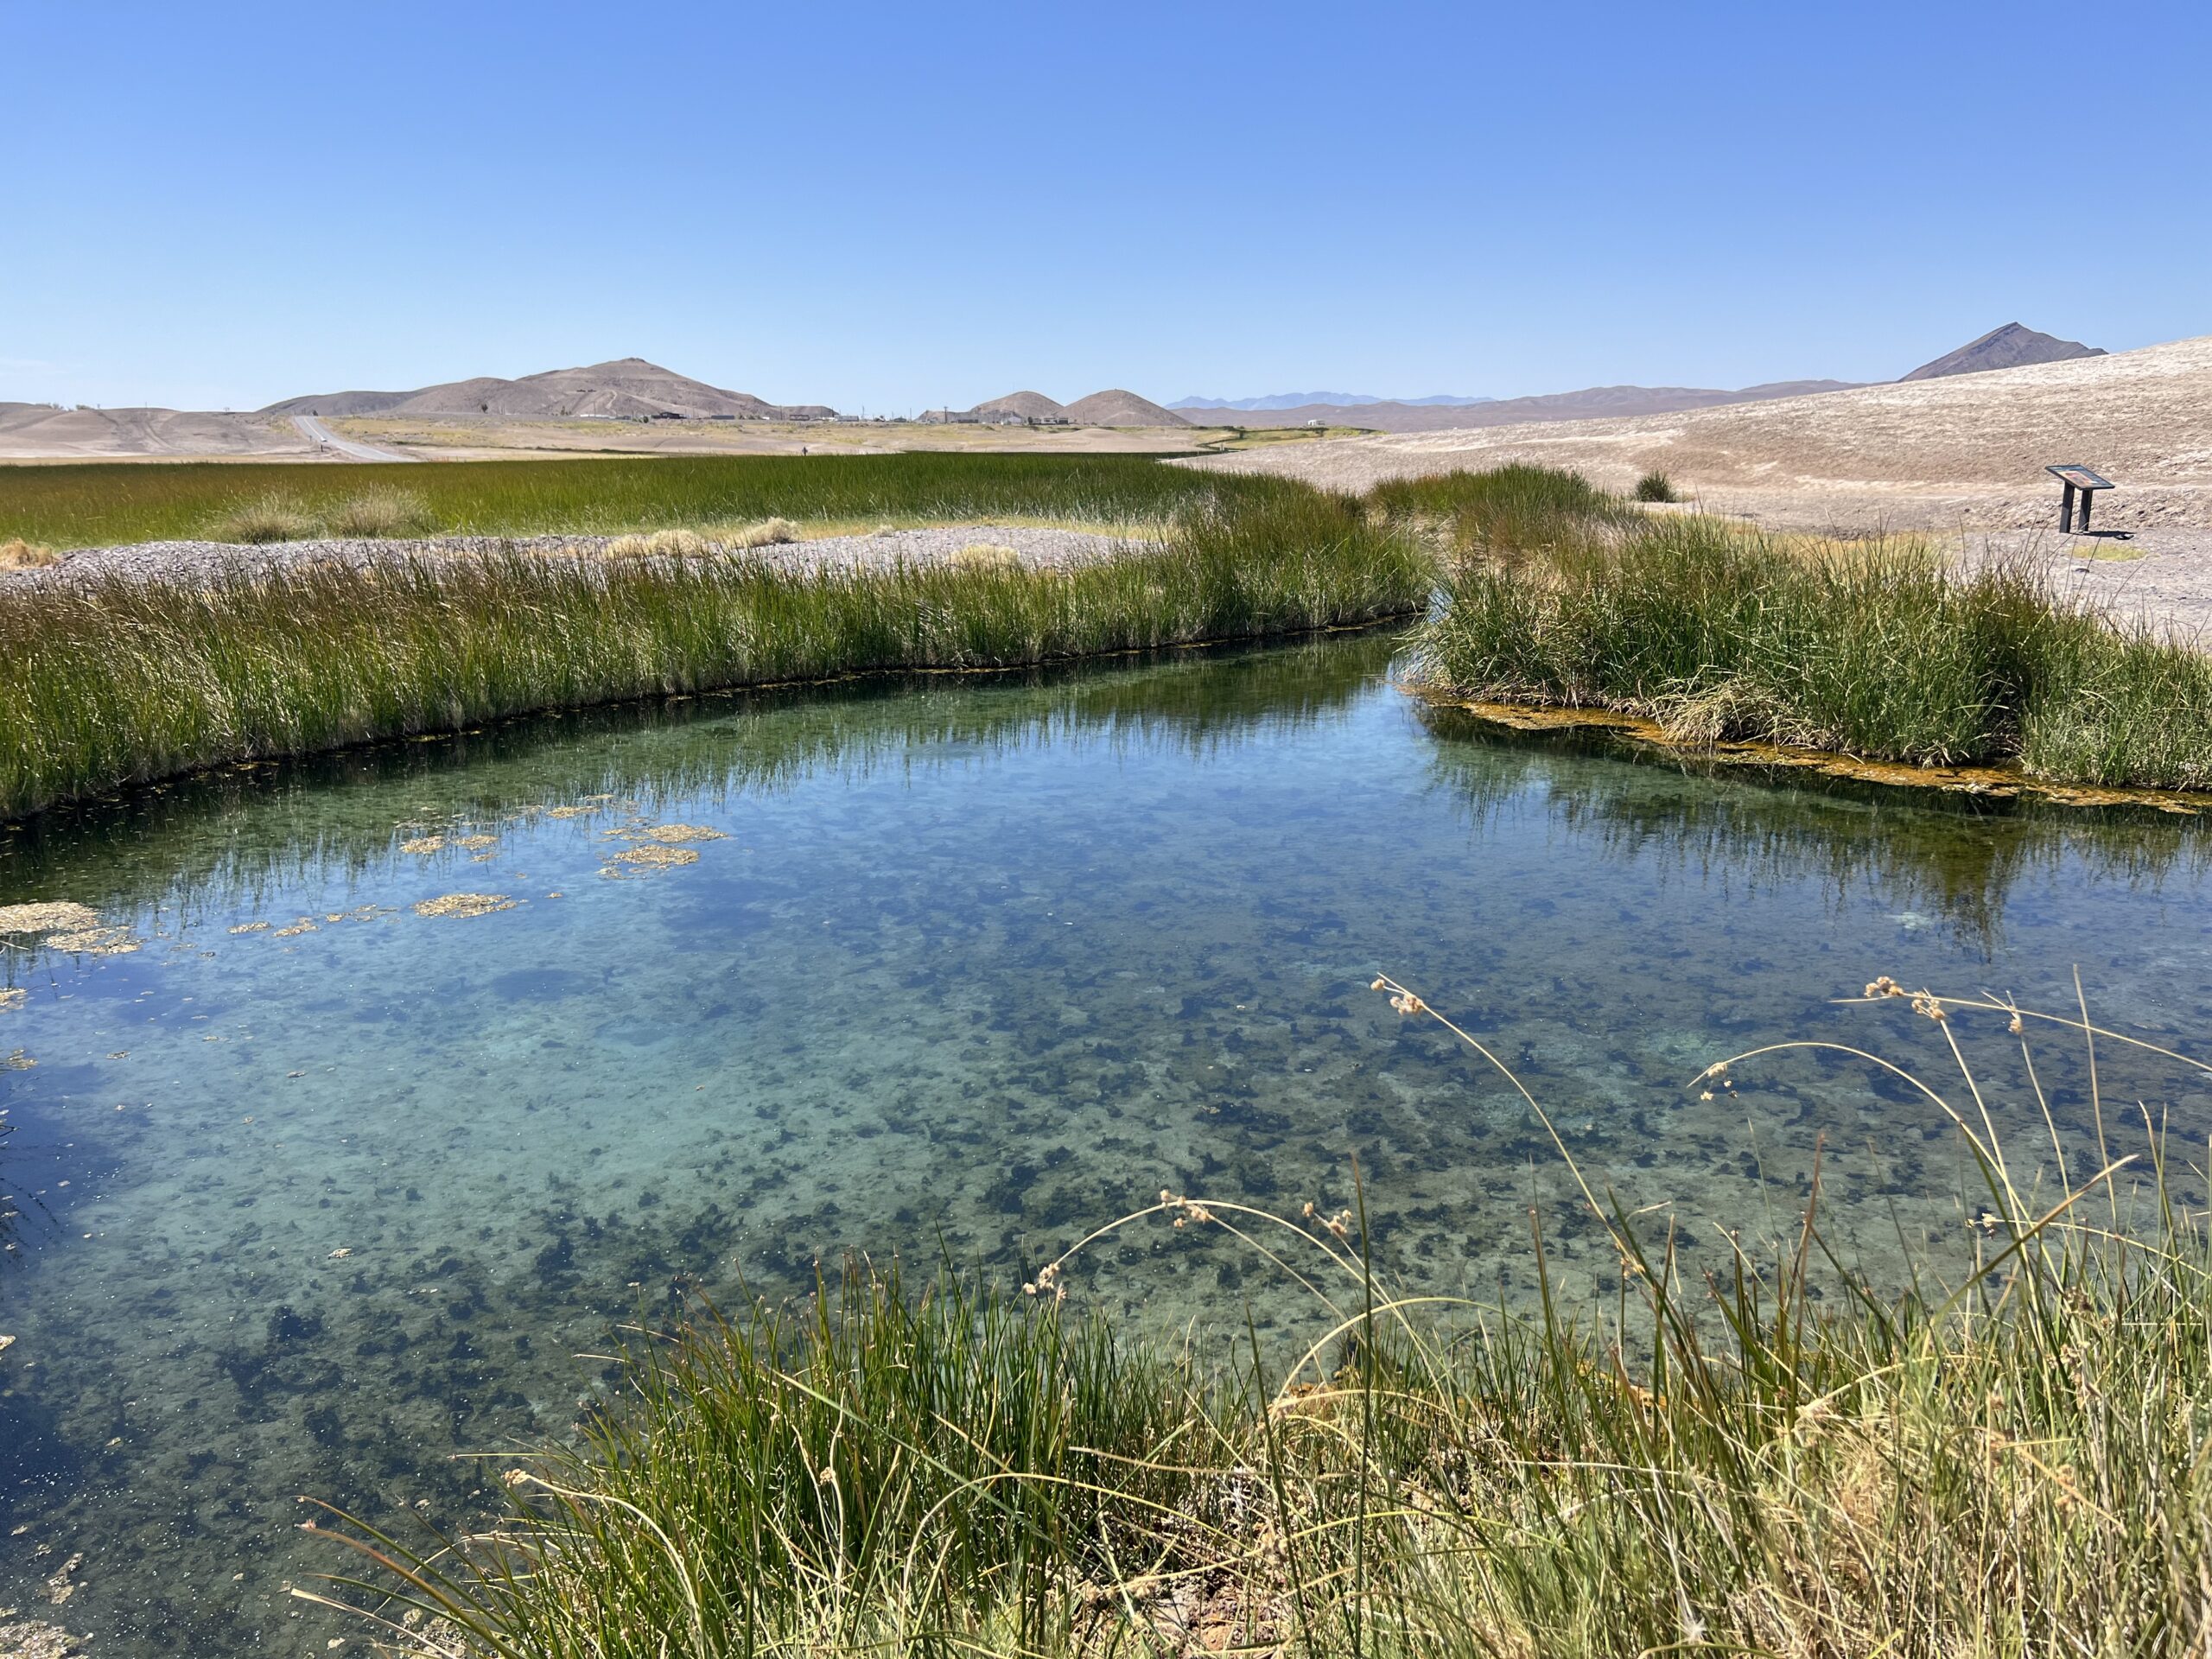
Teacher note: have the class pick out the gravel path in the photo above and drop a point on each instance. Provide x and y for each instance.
(2161, 577)
(201, 561)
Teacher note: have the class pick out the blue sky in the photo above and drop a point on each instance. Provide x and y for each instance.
(892, 206)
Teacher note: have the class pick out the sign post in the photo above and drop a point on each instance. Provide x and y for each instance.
(2077, 477)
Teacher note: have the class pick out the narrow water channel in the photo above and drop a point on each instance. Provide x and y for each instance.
(318, 1191)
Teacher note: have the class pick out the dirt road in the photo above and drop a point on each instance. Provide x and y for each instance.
(316, 432)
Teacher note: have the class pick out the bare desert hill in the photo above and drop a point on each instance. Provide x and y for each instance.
(1029, 405)
(626, 388)
(1588, 404)
(1120, 408)
(2009, 347)
(48, 432)
(1958, 449)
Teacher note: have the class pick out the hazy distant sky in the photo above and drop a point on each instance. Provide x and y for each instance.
(210, 204)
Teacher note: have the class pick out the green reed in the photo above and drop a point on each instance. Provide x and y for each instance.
(127, 681)
(2007, 1457)
(946, 1439)
(1505, 510)
(102, 504)
(1880, 649)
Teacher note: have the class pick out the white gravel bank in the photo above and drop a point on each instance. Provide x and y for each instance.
(201, 561)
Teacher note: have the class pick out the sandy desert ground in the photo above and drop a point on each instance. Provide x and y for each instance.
(1965, 452)
(42, 432)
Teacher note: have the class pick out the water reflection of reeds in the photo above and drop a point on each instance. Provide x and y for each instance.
(228, 838)
(11, 1204)
(1954, 859)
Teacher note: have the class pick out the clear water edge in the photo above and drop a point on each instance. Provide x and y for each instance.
(972, 967)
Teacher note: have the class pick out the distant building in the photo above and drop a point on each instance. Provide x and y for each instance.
(988, 415)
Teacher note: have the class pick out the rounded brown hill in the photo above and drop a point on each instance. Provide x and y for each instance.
(1029, 405)
(628, 387)
(1119, 407)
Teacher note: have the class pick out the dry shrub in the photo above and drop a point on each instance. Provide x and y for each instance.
(271, 518)
(768, 532)
(660, 545)
(380, 512)
(20, 555)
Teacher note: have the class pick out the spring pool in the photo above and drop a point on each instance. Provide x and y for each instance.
(434, 1064)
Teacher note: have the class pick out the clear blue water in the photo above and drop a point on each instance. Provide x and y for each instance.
(965, 968)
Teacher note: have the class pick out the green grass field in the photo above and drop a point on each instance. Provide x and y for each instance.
(102, 505)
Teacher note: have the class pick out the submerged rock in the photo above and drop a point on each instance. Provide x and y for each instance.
(35, 1639)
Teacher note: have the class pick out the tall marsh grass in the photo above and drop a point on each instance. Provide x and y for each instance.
(104, 504)
(128, 680)
(1880, 649)
(1504, 511)
(2008, 1455)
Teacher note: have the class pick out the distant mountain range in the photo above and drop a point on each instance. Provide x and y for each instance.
(629, 389)
(1329, 399)
(632, 389)
(2001, 349)
(1589, 404)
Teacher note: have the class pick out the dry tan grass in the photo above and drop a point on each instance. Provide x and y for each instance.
(986, 555)
(693, 543)
(374, 514)
(769, 532)
(659, 544)
(20, 555)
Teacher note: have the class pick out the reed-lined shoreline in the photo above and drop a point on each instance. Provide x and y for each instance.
(1537, 589)
(124, 680)
(1879, 649)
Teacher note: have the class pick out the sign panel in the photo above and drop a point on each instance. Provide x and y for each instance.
(2079, 476)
